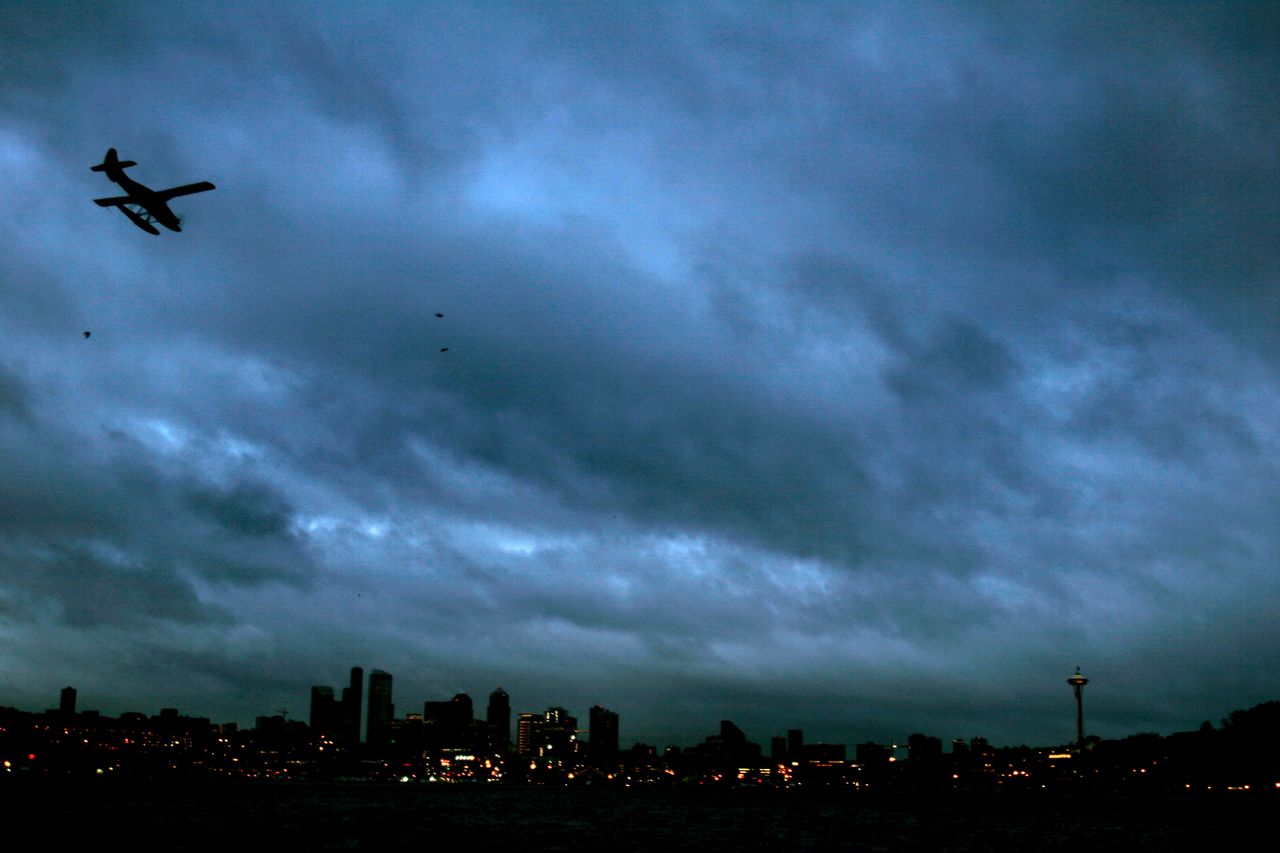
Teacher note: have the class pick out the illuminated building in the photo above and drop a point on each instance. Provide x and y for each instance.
(381, 710)
(527, 726)
(551, 735)
(557, 736)
(1077, 683)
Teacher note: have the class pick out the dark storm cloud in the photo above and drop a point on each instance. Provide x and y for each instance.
(82, 590)
(957, 361)
(862, 363)
(75, 495)
(36, 45)
(246, 509)
(13, 395)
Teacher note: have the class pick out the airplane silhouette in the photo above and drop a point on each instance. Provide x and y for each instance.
(143, 205)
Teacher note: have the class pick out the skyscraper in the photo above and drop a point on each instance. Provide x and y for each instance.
(603, 745)
(464, 709)
(352, 698)
(527, 729)
(499, 718)
(380, 708)
(557, 737)
(67, 704)
(324, 712)
(795, 744)
(451, 724)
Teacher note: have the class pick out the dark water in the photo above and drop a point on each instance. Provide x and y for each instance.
(391, 817)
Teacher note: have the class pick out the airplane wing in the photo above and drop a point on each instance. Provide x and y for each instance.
(185, 189)
(120, 202)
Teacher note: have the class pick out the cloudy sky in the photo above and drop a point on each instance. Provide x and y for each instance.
(857, 368)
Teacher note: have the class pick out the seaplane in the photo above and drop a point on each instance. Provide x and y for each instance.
(144, 206)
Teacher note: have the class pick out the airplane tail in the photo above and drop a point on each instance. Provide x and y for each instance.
(112, 162)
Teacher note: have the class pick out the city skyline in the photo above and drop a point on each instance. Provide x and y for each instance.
(364, 712)
(857, 368)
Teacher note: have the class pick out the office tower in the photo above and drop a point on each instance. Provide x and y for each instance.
(352, 698)
(795, 744)
(729, 747)
(557, 737)
(499, 718)
(777, 749)
(603, 745)
(731, 734)
(455, 713)
(464, 710)
(324, 712)
(451, 724)
(67, 704)
(438, 711)
(1077, 683)
(380, 708)
(527, 728)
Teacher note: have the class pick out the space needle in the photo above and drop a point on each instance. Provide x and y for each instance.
(1077, 683)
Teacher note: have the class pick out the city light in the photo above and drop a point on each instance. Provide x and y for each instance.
(448, 743)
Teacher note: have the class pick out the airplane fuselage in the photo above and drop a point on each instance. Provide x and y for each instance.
(146, 197)
(154, 202)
